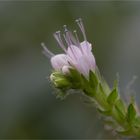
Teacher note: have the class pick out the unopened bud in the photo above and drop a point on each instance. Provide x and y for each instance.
(59, 80)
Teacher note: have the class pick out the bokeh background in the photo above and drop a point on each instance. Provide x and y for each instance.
(28, 106)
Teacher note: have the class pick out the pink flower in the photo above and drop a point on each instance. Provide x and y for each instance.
(77, 55)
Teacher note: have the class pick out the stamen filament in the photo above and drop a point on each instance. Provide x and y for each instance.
(76, 36)
(73, 39)
(81, 26)
(46, 51)
(79, 45)
(68, 39)
(57, 36)
(67, 35)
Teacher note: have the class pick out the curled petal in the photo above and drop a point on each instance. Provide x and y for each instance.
(58, 61)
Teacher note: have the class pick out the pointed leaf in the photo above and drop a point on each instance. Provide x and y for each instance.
(131, 114)
(112, 97)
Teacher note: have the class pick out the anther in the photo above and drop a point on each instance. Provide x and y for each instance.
(57, 32)
(65, 28)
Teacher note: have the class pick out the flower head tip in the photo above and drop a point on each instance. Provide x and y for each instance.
(77, 55)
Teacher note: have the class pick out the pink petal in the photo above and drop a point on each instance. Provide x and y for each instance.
(58, 61)
(82, 66)
(86, 46)
(74, 52)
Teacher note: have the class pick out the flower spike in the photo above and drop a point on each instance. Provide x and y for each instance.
(76, 69)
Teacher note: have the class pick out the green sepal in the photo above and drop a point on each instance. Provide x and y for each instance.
(113, 96)
(86, 86)
(131, 114)
(74, 78)
(93, 81)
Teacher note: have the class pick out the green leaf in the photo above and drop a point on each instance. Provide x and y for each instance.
(131, 114)
(112, 97)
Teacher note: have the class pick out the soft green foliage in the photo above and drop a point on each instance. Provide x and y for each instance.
(125, 120)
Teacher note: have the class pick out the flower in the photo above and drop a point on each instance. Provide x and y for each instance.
(77, 55)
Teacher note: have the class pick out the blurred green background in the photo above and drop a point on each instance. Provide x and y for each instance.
(28, 108)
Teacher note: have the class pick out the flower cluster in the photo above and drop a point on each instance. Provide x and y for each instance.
(77, 55)
(76, 69)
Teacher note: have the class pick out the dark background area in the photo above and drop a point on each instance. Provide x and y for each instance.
(28, 106)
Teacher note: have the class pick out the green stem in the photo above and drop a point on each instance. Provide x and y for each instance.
(118, 117)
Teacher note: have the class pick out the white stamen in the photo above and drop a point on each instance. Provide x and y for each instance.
(67, 35)
(69, 45)
(57, 36)
(81, 26)
(73, 39)
(76, 36)
(46, 51)
(66, 39)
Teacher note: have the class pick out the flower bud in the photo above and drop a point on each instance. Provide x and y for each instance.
(59, 80)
